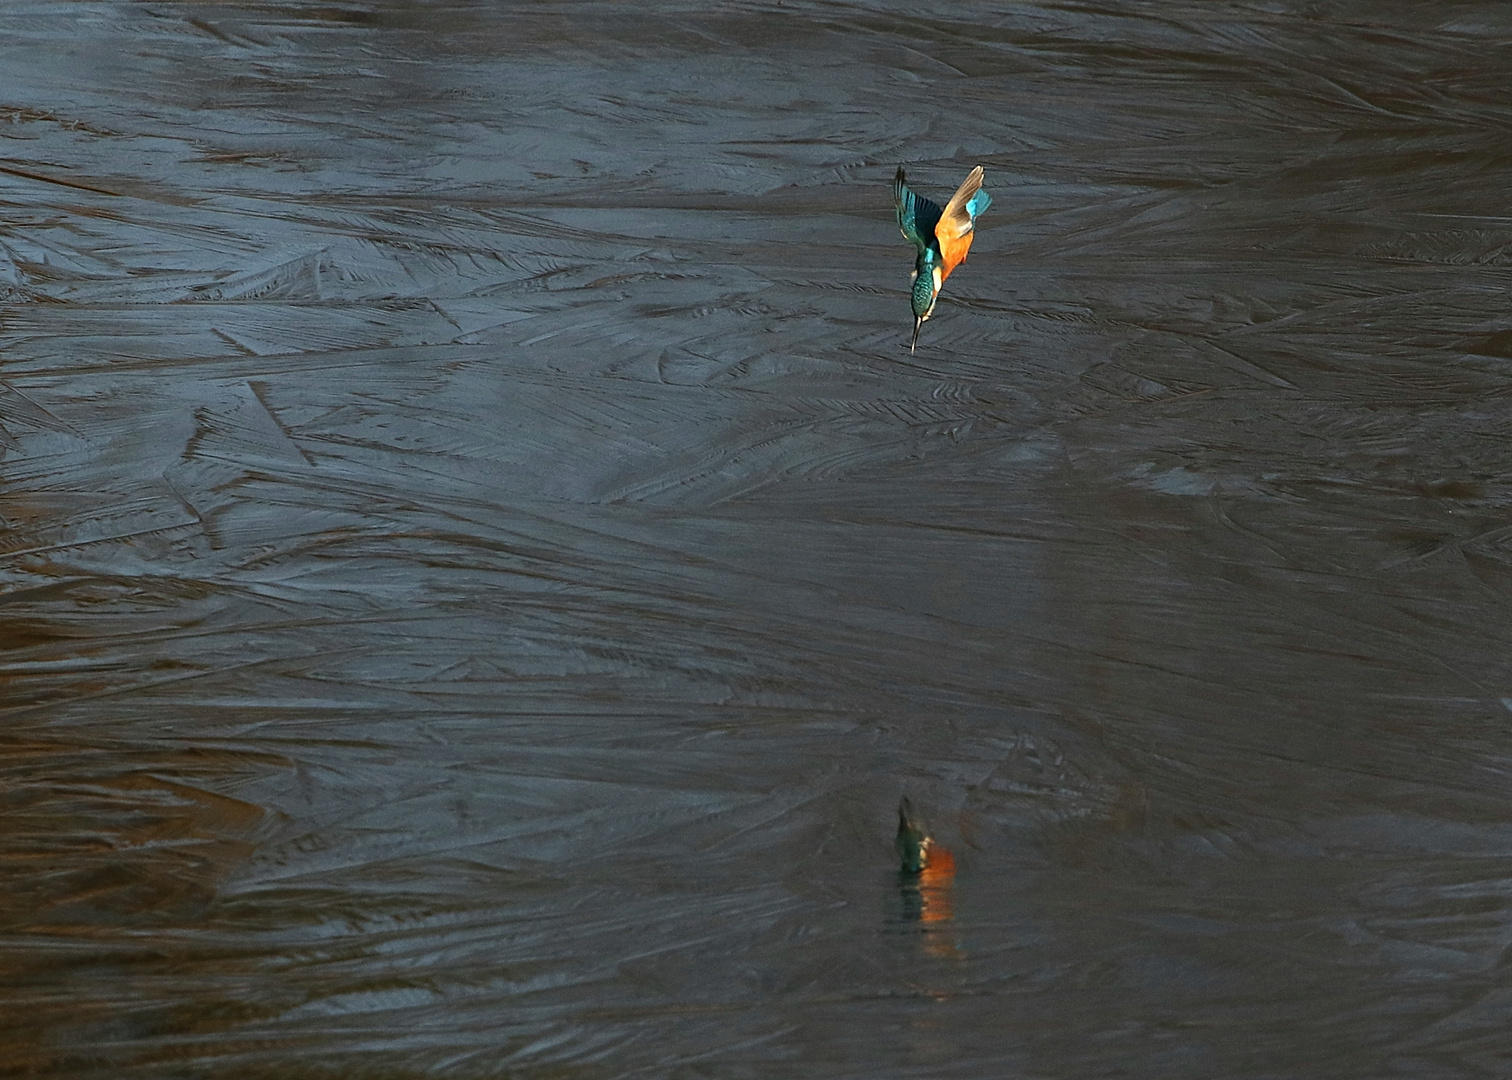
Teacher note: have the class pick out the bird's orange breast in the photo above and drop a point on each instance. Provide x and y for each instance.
(953, 251)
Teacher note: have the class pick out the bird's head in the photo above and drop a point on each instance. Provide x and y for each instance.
(927, 277)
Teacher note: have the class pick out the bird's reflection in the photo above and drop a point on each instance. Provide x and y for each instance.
(926, 884)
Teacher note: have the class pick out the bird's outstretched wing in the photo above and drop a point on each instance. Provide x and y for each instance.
(916, 215)
(958, 220)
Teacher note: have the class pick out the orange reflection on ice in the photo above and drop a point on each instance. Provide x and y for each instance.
(929, 898)
(936, 886)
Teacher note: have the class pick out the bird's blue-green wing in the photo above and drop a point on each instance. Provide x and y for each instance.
(917, 216)
(977, 203)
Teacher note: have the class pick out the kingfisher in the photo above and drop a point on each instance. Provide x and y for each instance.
(943, 237)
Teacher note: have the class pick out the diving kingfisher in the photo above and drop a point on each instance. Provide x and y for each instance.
(943, 237)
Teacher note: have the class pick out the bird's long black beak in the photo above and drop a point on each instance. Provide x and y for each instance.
(914, 344)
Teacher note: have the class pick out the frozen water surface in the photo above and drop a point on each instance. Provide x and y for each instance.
(481, 563)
